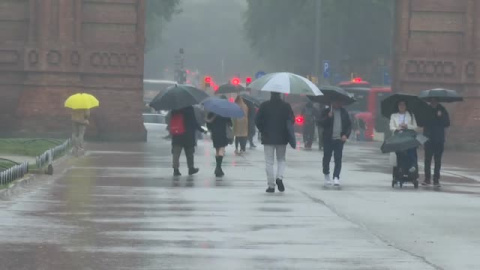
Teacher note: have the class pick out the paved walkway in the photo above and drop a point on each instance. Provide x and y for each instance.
(119, 208)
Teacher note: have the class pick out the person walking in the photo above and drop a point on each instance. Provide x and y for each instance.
(336, 130)
(240, 127)
(319, 127)
(218, 128)
(252, 129)
(182, 128)
(271, 120)
(309, 114)
(434, 147)
(79, 125)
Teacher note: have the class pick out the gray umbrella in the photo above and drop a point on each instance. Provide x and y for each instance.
(442, 95)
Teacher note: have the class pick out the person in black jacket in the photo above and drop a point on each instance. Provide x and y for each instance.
(218, 127)
(271, 121)
(435, 131)
(337, 127)
(186, 140)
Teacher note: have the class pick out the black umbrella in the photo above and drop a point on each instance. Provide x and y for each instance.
(252, 100)
(177, 97)
(442, 95)
(421, 110)
(230, 88)
(331, 94)
(402, 141)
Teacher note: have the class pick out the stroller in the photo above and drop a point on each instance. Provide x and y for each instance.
(404, 172)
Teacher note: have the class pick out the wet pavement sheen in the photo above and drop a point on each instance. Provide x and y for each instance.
(118, 207)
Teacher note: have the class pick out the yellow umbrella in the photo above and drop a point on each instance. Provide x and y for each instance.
(81, 101)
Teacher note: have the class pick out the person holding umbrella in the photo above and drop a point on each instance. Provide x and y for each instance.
(240, 127)
(435, 130)
(336, 130)
(179, 99)
(219, 123)
(80, 104)
(400, 122)
(271, 121)
(337, 126)
(309, 113)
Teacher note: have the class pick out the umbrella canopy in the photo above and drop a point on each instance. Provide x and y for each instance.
(402, 141)
(421, 110)
(81, 101)
(442, 95)
(177, 97)
(229, 88)
(286, 83)
(252, 100)
(223, 107)
(333, 93)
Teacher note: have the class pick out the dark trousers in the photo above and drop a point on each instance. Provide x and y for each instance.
(242, 141)
(334, 147)
(320, 137)
(433, 150)
(308, 135)
(177, 151)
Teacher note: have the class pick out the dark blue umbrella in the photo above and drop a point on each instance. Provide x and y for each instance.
(223, 107)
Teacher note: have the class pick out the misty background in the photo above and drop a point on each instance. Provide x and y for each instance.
(226, 38)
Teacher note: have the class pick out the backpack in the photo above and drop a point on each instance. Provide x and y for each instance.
(177, 125)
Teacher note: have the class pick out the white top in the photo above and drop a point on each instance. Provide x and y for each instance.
(397, 119)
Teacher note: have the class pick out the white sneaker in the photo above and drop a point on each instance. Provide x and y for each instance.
(336, 182)
(328, 181)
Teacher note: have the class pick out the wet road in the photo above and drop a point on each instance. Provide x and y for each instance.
(119, 208)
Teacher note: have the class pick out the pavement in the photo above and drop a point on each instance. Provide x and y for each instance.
(118, 207)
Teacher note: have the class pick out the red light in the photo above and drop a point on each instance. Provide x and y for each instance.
(232, 100)
(299, 120)
(357, 80)
(248, 80)
(208, 79)
(187, 71)
(215, 87)
(235, 81)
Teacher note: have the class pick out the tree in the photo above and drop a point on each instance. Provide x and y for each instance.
(353, 33)
(158, 12)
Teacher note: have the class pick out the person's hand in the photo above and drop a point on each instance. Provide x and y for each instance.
(87, 122)
(344, 138)
(403, 126)
(330, 114)
(439, 113)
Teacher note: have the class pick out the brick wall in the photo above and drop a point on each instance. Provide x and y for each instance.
(437, 44)
(50, 49)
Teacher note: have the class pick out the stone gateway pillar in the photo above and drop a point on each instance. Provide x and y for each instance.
(50, 49)
(437, 44)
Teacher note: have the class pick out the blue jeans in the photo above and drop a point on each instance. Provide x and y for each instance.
(334, 147)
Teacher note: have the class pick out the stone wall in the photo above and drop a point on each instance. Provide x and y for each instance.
(438, 45)
(50, 49)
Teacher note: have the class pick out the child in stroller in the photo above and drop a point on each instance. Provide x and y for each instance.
(407, 160)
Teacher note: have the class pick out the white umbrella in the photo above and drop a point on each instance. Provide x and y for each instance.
(286, 83)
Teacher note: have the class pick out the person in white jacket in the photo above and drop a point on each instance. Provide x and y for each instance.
(400, 122)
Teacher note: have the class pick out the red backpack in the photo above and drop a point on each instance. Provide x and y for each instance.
(177, 126)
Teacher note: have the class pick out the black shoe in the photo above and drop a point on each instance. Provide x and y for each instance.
(270, 190)
(219, 172)
(176, 172)
(193, 171)
(280, 185)
(437, 185)
(426, 183)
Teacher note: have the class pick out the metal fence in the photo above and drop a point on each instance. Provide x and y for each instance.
(11, 174)
(50, 155)
(46, 159)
